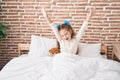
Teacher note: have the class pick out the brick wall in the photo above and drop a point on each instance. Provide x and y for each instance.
(24, 18)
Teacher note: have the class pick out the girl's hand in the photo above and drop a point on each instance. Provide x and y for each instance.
(46, 16)
(44, 12)
(92, 12)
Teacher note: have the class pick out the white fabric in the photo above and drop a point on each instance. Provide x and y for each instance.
(82, 30)
(69, 46)
(90, 50)
(40, 45)
(63, 66)
(56, 32)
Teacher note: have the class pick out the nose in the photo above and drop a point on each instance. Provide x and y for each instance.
(65, 38)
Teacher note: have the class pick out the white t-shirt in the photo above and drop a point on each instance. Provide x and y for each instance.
(69, 46)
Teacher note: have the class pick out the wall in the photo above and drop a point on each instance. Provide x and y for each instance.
(24, 18)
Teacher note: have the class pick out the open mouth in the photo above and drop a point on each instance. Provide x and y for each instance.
(67, 38)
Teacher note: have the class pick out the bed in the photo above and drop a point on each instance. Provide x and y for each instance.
(89, 64)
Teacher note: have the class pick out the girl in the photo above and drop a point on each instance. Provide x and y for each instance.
(65, 34)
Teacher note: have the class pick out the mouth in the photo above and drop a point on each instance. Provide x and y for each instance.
(67, 38)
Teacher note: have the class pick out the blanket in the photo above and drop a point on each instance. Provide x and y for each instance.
(62, 66)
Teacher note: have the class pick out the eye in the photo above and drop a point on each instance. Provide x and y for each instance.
(63, 35)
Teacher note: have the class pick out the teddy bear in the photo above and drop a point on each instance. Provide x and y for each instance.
(54, 51)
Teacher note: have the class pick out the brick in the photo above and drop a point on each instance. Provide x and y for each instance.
(115, 4)
(116, 12)
(31, 16)
(79, 0)
(1, 16)
(14, 3)
(28, 19)
(80, 4)
(2, 11)
(98, 23)
(111, 22)
(42, 0)
(27, 13)
(98, 0)
(109, 35)
(114, 0)
(26, 0)
(108, 41)
(16, 10)
(10, 13)
(16, 22)
(31, 11)
(26, 7)
(112, 29)
(99, 19)
(100, 4)
(6, 7)
(11, 19)
(114, 19)
(112, 8)
(9, 0)
(28, 3)
(65, 4)
(12, 16)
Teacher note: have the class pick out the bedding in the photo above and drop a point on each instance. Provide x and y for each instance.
(40, 45)
(62, 66)
(38, 65)
(90, 50)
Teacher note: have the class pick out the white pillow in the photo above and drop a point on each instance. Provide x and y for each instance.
(40, 46)
(89, 50)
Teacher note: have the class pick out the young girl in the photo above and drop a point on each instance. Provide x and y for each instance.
(65, 34)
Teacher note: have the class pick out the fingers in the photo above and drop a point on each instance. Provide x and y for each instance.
(92, 8)
(44, 12)
(43, 9)
(92, 12)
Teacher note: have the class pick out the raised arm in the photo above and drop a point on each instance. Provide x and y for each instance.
(55, 30)
(85, 24)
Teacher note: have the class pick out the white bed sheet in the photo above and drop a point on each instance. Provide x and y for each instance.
(63, 66)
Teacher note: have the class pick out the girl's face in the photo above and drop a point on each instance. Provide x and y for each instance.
(65, 34)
